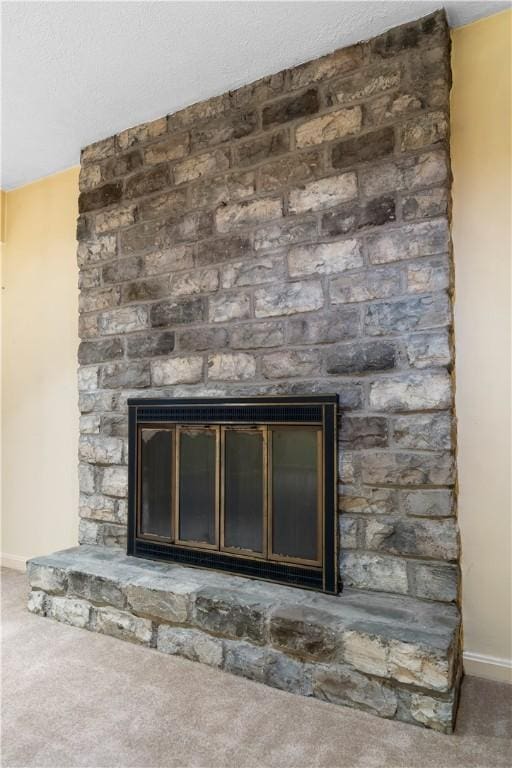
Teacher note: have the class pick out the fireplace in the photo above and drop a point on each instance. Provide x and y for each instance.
(245, 485)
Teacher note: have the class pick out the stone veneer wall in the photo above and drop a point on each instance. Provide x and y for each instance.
(291, 236)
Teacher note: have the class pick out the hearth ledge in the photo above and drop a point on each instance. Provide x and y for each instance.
(396, 657)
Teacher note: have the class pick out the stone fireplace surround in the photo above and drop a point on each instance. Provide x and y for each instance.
(289, 237)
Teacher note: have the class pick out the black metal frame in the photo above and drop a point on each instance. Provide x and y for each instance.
(315, 409)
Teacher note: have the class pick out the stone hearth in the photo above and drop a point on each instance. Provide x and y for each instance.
(393, 656)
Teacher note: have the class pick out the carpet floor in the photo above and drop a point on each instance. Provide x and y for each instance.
(76, 698)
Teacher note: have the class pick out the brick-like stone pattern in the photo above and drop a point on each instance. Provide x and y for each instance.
(392, 656)
(291, 236)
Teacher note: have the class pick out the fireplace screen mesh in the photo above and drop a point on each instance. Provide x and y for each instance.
(240, 488)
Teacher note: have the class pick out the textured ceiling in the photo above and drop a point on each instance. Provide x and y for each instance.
(75, 72)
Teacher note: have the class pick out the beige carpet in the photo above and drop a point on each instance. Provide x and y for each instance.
(74, 698)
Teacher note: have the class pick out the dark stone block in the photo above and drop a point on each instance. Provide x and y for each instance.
(177, 312)
(364, 432)
(432, 28)
(222, 249)
(290, 108)
(370, 146)
(352, 217)
(121, 165)
(227, 613)
(362, 358)
(324, 328)
(146, 182)
(252, 152)
(150, 345)
(201, 339)
(108, 194)
(99, 351)
(143, 290)
(124, 269)
(83, 228)
(235, 125)
(306, 632)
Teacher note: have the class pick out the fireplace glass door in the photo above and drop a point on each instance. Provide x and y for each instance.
(248, 494)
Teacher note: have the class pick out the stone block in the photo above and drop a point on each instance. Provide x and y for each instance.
(265, 269)
(326, 327)
(230, 614)
(101, 197)
(244, 214)
(408, 468)
(90, 423)
(287, 674)
(123, 320)
(233, 306)
(201, 165)
(425, 31)
(146, 182)
(90, 177)
(361, 358)
(253, 335)
(280, 234)
(173, 147)
(414, 392)
(335, 125)
(304, 632)
(99, 150)
(197, 281)
(99, 351)
(301, 296)
(426, 503)
(182, 312)
(371, 284)
(324, 258)
(98, 507)
(369, 501)
(336, 63)
(177, 370)
(407, 315)
(419, 537)
(362, 85)
(122, 625)
(424, 276)
(88, 378)
(222, 249)
(426, 238)
(98, 449)
(121, 165)
(266, 146)
(290, 170)
(236, 124)
(170, 259)
(209, 193)
(37, 602)
(70, 611)
(123, 269)
(203, 110)
(349, 531)
(86, 478)
(114, 481)
(292, 362)
(364, 432)
(144, 290)
(95, 589)
(201, 339)
(119, 375)
(374, 572)
(339, 684)
(290, 108)
(140, 134)
(427, 350)
(363, 149)
(150, 344)
(425, 204)
(261, 90)
(191, 644)
(437, 714)
(231, 366)
(89, 278)
(101, 249)
(104, 298)
(154, 597)
(354, 217)
(423, 431)
(435, 581)
(324, 193)
(424, 131)
(245, 659)
(47, 578)
(171, 204)
(116, 218)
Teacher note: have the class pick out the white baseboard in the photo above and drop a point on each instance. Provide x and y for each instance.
(489, 667)
(17, 562)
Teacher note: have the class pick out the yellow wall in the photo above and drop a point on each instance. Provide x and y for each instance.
(39, 409)
(481, 163)
(39, 339)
